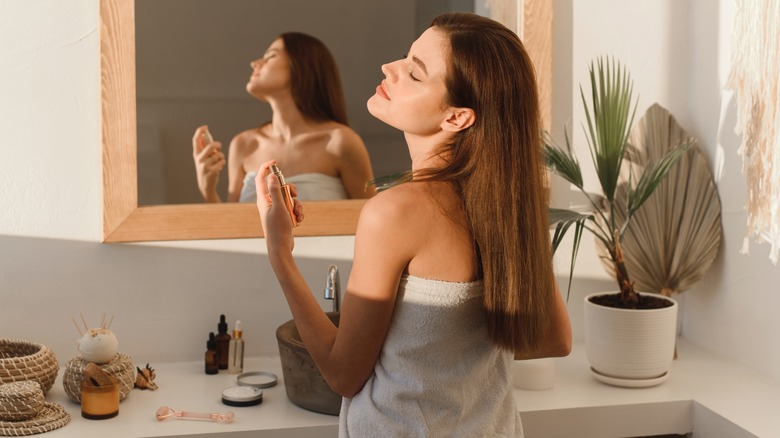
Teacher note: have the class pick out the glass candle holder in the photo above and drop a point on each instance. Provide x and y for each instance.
(99, 402)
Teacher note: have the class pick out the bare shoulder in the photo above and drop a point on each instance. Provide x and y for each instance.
(387, 232)
(393, 208)
(343, 140)
(247, 141)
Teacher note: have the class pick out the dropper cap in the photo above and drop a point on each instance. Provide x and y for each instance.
(222, 326)
(237, 331)
(211, 344)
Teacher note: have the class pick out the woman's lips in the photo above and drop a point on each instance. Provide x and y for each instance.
(380, 90)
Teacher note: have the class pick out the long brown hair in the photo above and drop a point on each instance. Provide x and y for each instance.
(497, 166)
(316, 84)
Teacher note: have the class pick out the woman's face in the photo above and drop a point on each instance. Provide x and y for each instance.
(271, 73)
(412, 95)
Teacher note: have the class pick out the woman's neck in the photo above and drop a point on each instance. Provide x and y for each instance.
(287, 121)
(422, 150)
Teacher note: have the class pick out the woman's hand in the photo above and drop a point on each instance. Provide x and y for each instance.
(209, 161)
(274, 217)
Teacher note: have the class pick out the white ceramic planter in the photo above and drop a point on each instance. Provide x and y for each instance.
(630, 345)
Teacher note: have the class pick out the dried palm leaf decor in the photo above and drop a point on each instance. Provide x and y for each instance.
(673, 238)
(755, 76)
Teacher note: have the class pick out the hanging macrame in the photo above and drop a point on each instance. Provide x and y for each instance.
(755, 68)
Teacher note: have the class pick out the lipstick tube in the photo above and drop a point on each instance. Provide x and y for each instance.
(286, 193)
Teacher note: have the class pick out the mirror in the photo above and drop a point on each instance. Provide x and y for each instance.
(192, 66)
(125, 221)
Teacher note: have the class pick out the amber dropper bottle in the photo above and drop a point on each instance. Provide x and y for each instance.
(286, 193)
(212, 365)
(223, 343)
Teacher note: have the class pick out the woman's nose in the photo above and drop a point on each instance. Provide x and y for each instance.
(389, 69)
(256, 63)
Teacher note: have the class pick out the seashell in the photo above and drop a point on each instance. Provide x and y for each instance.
(145, 378)
(98, 345)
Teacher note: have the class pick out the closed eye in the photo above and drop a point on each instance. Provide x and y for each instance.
(411, 72)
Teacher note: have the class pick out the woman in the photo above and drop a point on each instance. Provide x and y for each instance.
(308, 134)
(452, 276)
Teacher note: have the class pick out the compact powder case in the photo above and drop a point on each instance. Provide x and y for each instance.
(257, 379)
(242, 396)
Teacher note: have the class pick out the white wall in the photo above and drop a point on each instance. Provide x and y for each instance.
(678, 53)
(167, 298)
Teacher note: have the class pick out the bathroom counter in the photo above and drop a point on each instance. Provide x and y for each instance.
(705, 393)
(185, 386)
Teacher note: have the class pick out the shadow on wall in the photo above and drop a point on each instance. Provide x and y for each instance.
(164, 301)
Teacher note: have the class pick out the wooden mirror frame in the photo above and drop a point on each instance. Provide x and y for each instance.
(125, 221)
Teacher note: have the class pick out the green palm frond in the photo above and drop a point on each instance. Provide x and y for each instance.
(563, 220)
(563, 162)
(654, 173)
(387, 181)
(609, 119)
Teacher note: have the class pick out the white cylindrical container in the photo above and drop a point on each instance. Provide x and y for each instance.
(534, 374)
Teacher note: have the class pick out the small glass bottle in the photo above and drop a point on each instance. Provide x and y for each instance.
(212, 365)
(223, 343)
(236, 351)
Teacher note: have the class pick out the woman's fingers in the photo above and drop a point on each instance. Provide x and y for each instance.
(210, 152)
(197, 139)
(261, 184)
(298, 210)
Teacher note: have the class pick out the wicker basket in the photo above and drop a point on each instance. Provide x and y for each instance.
(120, 367)
(24, 360)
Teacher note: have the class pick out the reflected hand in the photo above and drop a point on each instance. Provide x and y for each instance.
(274, 217)
(209, 162)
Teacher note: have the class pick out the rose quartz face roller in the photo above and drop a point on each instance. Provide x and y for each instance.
(166, 412)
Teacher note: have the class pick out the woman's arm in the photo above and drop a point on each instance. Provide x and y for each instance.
(236, 155)
(353, 163)
(557, 341)
(345, 355)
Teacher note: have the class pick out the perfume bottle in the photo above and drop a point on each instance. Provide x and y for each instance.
(223, 343)
(236, 351)
(286, 193)
(212, 364)
(207, 138)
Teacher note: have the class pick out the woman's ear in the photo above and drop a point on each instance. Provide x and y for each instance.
(458, 119)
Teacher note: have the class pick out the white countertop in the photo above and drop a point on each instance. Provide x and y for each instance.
(702, 391)
(185, 386)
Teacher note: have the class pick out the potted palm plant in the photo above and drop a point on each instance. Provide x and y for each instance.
(629, 336)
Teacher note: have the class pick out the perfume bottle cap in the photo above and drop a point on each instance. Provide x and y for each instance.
(275, 170)
(207, 138)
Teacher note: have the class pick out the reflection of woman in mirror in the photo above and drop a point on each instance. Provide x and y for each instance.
(308, 134)
(452, 277)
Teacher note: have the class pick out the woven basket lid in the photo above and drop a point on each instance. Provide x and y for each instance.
(20, 400)
(51, 416)
(23, 410)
